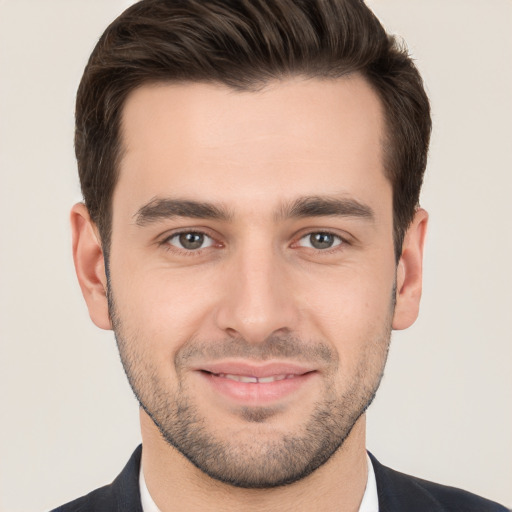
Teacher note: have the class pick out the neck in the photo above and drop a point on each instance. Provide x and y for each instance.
(175, 484)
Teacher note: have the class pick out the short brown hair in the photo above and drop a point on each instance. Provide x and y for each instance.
(244, 44)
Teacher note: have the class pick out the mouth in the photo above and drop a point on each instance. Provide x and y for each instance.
(255, 385)
(248, 379)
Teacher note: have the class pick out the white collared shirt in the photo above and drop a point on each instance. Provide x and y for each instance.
(148, 505)
(370, 502)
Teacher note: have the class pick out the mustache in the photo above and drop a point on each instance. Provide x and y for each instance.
(274, 347)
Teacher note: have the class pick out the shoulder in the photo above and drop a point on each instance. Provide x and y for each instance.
(122, 495)
(101, 499)
(398, 491)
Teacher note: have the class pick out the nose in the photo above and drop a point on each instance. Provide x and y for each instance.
(258, 299)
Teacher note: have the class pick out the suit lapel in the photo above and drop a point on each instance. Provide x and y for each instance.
(125, 488)
(401, 493)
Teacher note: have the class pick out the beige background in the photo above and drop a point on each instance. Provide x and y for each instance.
(68, 419)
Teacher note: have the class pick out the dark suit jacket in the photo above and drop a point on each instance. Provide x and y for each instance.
(397, 493)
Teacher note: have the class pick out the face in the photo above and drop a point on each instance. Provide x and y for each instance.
(252, 274)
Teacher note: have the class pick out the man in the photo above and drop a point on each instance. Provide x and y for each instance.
(251, 232)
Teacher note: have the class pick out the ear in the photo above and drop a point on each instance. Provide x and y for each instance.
(89, 265)
(409, 273)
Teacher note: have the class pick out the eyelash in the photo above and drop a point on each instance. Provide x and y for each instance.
(191, 252)
(339, 246)
(187, 252)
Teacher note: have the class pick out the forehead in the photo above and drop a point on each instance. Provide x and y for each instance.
(293, 137)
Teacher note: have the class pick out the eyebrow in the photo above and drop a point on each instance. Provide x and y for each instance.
(166, 208)
(310, 206)
(325, 206)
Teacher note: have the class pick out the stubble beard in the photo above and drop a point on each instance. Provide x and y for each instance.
(254, 461)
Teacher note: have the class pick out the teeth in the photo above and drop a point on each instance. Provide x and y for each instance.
(248, 379)
(273, 378)
(242, 378)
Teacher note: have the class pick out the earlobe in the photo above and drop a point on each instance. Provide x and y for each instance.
(89, 265)
(409, 273)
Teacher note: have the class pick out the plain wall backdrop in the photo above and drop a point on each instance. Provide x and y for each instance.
(68, 419)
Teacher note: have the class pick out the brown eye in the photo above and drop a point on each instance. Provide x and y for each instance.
(320, 240)
(190, 241)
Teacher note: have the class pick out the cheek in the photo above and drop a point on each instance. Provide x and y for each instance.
(163, 308)
(350, 309)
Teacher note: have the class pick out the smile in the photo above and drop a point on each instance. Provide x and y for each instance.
(255, 380)
(255, 385)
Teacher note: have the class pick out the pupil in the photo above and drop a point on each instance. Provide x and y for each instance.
(321, 240)
(191, 240)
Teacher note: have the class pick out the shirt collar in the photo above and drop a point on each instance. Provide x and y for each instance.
(370, 502)
(148, 505)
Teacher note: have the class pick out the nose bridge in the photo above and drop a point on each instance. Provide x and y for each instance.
(257, 301)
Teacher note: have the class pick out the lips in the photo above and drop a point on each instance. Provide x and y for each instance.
(256, 370)
(255, 384)
(254, 380)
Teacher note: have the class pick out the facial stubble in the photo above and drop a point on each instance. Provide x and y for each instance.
(261, 457)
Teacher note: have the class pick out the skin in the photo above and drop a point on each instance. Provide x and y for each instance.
(257, 279)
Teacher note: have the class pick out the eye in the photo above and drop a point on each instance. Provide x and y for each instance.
(190, 240)
(320, 240)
